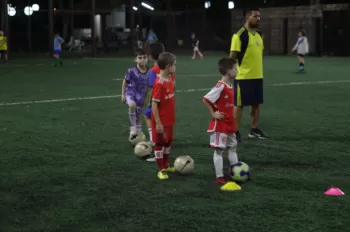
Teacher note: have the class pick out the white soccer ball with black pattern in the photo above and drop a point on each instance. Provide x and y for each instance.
(184, 165)
(143, 150)
(239, 172)
(141, 137)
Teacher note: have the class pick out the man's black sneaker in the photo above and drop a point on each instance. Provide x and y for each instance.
(257, 133)
(238, 137)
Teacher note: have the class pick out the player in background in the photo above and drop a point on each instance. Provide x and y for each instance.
(195, 45)
(134, 91)
(222, 128)
(153, 53)
(302, 48)
(57, 49)
(163, 113)
(3, 47)
(151, 38)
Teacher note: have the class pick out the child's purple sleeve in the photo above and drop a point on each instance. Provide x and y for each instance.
(127, 76)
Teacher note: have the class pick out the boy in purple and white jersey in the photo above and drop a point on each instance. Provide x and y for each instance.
(134, 91)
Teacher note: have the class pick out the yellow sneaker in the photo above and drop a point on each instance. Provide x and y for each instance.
(162, 175)
(170, 169)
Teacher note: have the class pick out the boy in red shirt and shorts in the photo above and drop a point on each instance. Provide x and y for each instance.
(222, 128)
(163, 113)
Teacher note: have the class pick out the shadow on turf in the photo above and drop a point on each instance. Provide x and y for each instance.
(299, 72)
(282, 164)
(308, 138)
(191, 145)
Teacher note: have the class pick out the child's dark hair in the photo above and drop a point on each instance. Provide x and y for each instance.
(140, 52)
(165, 59)
(225, 64)
(303, 32)
(154, 49)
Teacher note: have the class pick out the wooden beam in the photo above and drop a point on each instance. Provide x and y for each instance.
(2, 14)
(132, 21)
(76, 11)
(5, 25)
(71, 23)
(169, 24)
(29, 30)
(140, 37)
(93, 27)
(50, 15)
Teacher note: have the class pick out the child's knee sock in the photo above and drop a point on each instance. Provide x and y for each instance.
(218, 163)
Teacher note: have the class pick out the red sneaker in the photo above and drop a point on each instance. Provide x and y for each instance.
(221, 180)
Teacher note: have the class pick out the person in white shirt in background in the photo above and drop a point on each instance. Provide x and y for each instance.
(195, 45)
(302, 48)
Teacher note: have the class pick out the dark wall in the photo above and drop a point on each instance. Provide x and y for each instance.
(336, 34)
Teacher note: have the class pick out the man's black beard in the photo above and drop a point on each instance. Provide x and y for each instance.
(253, 26)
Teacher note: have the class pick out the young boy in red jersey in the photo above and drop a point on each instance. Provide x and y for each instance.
(163, 113)
(220, 104)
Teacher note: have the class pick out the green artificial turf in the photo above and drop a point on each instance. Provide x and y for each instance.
(66, 165)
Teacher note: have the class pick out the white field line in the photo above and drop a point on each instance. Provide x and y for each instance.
(311, 82)
(178, 91)
(109, 59)
(21, 65)
(280, 84)
(181, 75)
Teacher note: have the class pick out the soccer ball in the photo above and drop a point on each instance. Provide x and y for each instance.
(141, 137)
(143, 150)
(184, 165)
(239, 172)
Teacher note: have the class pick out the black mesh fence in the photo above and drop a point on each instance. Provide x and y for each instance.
(328, 29)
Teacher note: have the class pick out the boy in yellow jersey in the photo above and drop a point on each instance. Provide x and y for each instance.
(3, 47)
(247, 48)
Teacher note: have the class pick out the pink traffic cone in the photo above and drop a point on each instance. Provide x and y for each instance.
(334, 191)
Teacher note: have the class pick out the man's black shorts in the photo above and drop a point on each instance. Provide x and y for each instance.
(248, 92)
(3, 52)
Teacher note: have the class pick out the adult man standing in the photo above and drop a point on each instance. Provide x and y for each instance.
(3, 47)
(247, 48)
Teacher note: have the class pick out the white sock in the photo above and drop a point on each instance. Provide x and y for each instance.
(150, 134)
(218, 163)
(232, 156)
(133, 130)
(139, 128)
